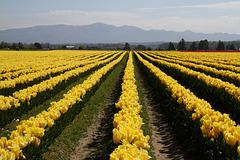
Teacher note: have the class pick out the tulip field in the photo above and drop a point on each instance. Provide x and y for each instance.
(198, 93)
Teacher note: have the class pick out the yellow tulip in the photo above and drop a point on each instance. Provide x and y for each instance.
(238, 150)
(36, 142)
(230, 139)
(194, 116)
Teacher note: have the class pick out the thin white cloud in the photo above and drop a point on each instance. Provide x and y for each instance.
(90, 14)
(226, 5)
(147, 9)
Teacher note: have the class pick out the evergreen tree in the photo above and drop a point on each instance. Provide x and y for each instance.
(4, 45)
(232, 47)
(127, 47)
(203, 45)
(149, 48)
(38, 45)
(14, 46)
(82, 47)
(171, 46)
(193, 47)
(31, 46)
(181, 45)
(220, 46)
(140, 47)
(20, 45)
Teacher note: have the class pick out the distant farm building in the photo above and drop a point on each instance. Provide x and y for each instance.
(70, 47)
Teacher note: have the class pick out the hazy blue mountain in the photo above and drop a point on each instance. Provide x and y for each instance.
(103, 33)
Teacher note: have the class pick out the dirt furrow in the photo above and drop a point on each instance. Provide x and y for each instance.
(164, 144)
(83, 149)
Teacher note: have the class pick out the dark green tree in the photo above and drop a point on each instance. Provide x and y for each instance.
(230, 47)
(171, 46)
(32, 47)
(140, 47)
(38, 45)
(14, 46)
(63, 46)
(193, 47)
(203, 45)
(20, 45)
(82, 47)
(220, 45)
(181, 45)
(4, 45)
(149, 48)
(127, 47)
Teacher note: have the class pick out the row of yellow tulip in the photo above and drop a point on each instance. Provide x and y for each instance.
(14, 61)
(212, 122)
(225, 73)
(228, 58)
(11, 83)
(210, 81)
(50, 65)
(127, 122)
(32, 91)
(226, 63)
(7, 102)
(29, 131)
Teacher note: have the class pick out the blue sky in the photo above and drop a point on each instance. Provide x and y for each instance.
(207, 16)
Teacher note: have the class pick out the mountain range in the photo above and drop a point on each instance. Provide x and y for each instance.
(104, 33)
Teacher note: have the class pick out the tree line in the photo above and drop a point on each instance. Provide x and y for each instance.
(181, 45)
(19, 45)
(48, 46)
(201, 45)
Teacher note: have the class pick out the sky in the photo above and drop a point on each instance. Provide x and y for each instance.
(206, 16)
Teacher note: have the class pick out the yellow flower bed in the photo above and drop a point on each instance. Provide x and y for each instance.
(127, 122)
(29, 131)
(225, 73)
(7, 102)
(210, 81)
(42, 72)
(223, 60)
(212, 122)
(12, 61)
(32, 91)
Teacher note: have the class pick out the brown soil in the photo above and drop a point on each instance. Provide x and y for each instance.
(83, 149)
(162, 138)
(98, 144)
(165, 145)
